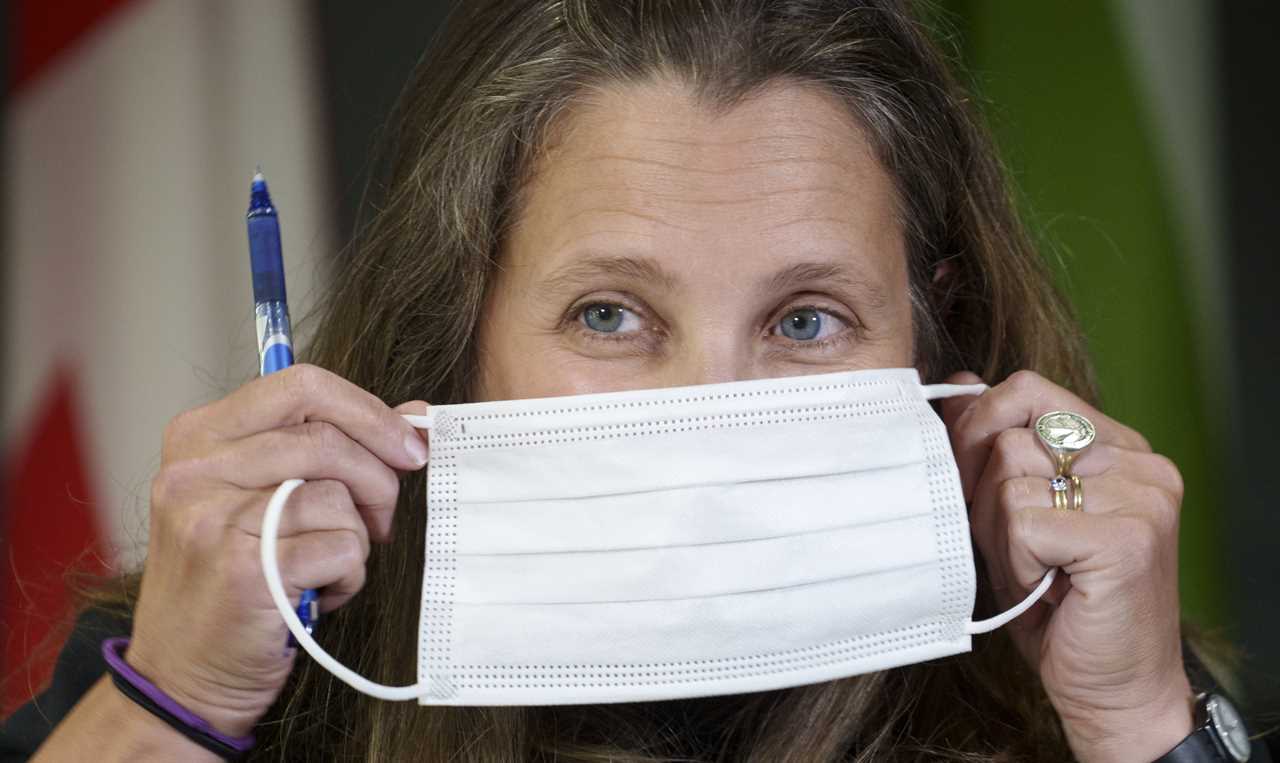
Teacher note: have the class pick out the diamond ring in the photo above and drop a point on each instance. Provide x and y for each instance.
(1058, 487)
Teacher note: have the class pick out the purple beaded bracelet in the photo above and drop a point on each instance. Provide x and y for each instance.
(132, 684)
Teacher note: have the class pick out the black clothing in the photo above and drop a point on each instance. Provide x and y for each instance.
(80, 665)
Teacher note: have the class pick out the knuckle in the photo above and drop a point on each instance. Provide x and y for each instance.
(333, 493)
(1003, 407)
(1169, 474)
(196, 529)
(173, 481)
(349, 585)
(1024, 379)
(1007, 445)
(1168, 519)
(1156, 498)
(358, 577)
(1011, 493)
(336, 497)
(165, 487)
(176, 431)
(350, 549)
(1164, 506)
(322, 436)
(302, 381)
(292, 558)
(388, 487)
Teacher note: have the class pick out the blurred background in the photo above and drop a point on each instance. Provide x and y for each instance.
(1140, 135)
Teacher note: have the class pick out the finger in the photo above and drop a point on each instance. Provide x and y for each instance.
(1081, 544)
(1019, 453)
(1000, 499)
(1058, 590)
(413, 408)
(1016, 403)
(317, 505)
(953, 407)
(305, 393)
(331, 560)
(1013, 454)
(416, 408)
(316, 450)
(1113, 496)
(1104, 493)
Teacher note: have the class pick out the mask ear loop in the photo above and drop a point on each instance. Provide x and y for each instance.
(991, 623)
(930, 392)
(271, 570)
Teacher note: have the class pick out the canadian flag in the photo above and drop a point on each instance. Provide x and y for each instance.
(133, 128)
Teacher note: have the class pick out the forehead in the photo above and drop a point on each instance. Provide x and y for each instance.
(646, 166)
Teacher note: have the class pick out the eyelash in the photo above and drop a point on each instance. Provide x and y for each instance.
(573, 319)
(851, 332)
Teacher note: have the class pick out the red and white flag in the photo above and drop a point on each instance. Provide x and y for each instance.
(133, 127)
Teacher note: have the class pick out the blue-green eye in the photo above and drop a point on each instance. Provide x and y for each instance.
(606, 318)
(804, 324)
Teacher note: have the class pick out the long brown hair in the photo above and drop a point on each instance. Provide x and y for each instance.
(401, 319)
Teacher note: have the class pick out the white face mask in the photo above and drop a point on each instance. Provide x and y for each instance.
(683, 542)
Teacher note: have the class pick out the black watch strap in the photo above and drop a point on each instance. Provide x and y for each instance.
(1198, 747)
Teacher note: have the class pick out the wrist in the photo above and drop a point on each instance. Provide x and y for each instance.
(226, 716)
(1136, 733)
(148, 737)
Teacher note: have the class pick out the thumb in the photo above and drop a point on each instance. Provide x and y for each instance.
(415, 408)
(953, 407)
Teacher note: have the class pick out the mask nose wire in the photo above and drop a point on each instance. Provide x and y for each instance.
(271, 571)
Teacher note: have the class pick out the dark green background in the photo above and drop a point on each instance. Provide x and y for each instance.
(1061, 96)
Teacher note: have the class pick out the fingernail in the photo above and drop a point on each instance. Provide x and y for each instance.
(416, 448)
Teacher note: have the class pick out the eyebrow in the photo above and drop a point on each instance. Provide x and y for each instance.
(801, 274)
(595, 266)
(645, 270)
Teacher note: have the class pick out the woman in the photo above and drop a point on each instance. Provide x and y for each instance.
(590, 196)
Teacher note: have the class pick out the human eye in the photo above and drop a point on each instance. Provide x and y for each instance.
(810, 325)
(608, 318)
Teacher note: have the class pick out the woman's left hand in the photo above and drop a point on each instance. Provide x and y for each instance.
(1106, 637)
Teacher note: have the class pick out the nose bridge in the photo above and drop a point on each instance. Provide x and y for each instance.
(716, 352)
(714, 340)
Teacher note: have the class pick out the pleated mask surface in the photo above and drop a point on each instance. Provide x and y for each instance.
(682, 542)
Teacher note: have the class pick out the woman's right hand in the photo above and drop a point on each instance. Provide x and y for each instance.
(205, 629)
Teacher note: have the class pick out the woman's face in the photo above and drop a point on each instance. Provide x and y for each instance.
(660, 246)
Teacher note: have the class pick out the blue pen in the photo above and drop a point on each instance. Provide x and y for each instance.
(271, 311)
